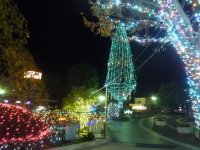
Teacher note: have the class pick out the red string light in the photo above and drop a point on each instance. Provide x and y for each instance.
(17, 124)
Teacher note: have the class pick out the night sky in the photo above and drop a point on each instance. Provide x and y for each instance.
(59, 39)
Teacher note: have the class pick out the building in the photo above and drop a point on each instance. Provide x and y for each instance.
(140, 104)
(37, 93)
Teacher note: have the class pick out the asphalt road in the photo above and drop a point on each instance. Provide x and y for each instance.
(132, 135)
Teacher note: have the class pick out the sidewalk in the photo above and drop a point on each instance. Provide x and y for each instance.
(84, 145)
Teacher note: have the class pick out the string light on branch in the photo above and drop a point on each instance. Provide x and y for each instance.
(149, 40)
(113, 110)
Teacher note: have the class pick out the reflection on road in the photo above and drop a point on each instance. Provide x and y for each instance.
(131, 132)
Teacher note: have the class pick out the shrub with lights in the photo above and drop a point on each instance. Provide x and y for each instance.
(20, 128)
(78, 105)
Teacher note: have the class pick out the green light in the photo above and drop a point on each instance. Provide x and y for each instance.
(120, 80)
(102, 98)
(153, 98)
(2, 91)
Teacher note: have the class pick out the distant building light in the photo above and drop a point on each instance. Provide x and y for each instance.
(128, 112)
(28, 103)
(139, 107)
(18, 102)
(33, 74)
(5, 101)
(40, 108)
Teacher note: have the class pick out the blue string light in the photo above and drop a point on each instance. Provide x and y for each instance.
(182, 31)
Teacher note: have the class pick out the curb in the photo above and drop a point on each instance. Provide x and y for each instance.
(84, 145)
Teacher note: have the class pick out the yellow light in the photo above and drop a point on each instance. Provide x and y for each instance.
(195, 4)
(2, 91)
(139, 107)
(33, 74)
(62, 119)
(102, 98)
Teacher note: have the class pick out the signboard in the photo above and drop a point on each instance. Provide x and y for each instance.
(33, 74)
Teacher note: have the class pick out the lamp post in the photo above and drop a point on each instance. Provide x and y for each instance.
(153, 102)
(103, 99)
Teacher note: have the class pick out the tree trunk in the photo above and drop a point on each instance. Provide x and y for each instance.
(121, 113)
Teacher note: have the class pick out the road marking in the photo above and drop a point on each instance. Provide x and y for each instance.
(147, 145)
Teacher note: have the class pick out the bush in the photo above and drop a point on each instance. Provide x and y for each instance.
(89, 137)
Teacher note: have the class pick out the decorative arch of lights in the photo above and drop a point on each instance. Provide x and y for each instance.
(182, 30)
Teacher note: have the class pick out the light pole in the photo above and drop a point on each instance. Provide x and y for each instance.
(154, 102)
(103, 99)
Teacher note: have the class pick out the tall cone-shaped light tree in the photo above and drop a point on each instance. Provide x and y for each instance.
(120, 80)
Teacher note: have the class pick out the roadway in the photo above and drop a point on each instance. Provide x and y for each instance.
(132, 135)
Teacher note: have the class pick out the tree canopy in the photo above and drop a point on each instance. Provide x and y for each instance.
(79, 96)
(82, 75)
(56, 86)
(82, 81)
(15, 59)
(171, 95)
(78, 103)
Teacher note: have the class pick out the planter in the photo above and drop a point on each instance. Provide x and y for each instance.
(96, 126)
(160, 123)
(184, 130)
(154, 120)
(71, 132)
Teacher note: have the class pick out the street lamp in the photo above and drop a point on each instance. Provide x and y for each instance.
(2, 92)
(153, 103)
(154, 99)
(103, 99)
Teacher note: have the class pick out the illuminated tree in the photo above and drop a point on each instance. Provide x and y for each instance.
(15, 59)
(79, 102)
(13, 26)
(12, 51)
(120, 79)
(178, 19)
